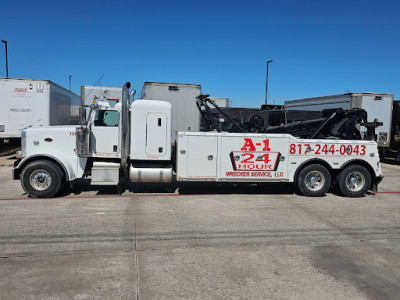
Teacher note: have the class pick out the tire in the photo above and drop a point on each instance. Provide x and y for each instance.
(42, 179)
(314, 180)
(353, 181)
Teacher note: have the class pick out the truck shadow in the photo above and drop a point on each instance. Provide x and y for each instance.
(204, 188)
(235, 188)
(185, 188)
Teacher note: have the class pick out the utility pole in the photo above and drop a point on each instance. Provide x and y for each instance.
(70, 93)
(266, 84)
(5, 43)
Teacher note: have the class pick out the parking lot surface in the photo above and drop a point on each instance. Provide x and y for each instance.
(199, 242)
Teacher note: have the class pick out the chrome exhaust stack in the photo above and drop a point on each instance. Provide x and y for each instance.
(125, 129)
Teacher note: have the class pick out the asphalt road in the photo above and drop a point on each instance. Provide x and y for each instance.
(201, 242)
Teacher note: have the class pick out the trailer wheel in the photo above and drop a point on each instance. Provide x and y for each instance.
(314, 180)
(42, 179)
(354, 181)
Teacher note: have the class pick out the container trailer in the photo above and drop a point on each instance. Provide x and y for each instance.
(182, 98)
(104, 93)
(31, 102)
(221, 102)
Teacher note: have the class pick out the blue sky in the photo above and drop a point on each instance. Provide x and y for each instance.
(318, 47)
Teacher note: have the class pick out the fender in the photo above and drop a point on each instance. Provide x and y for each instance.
(370, 168)
(73, 166)
(311, 161)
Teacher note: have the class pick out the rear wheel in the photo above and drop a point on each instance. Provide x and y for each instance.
(354, 181)
(42, 179)
(314, 180)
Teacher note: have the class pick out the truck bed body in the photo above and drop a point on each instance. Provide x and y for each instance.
(249, 157)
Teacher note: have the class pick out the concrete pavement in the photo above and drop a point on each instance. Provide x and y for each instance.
(209, 242)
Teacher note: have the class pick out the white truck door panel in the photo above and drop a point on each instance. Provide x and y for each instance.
(253, 157)
(197, 157)
(105, 141)
(156, 134)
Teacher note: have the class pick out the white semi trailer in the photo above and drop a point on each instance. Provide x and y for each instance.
(220, 101)
(90, 93)
(133, 140)
(29, 102)
(182, 97)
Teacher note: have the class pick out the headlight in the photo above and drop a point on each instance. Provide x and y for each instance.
(23, 142)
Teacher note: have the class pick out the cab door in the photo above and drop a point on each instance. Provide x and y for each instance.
(104, 140)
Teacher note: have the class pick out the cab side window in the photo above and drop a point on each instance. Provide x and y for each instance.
(106, 118)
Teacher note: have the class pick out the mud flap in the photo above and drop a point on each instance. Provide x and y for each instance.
(16, 172)
(375, 183)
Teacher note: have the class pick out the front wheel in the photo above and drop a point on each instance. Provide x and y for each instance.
(314, 180)
(42, 179)
(354, 181)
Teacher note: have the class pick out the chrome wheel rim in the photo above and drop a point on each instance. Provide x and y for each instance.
(355, 181)
(315, 180)
(40, 180)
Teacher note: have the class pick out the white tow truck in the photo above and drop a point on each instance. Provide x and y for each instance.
(132, 140)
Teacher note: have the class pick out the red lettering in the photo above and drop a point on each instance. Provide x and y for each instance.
(237, 174)
(318, 149)
(248, 145)
(292, 149)
(266, 158)
(342, 149)
(266, 145)
(325, 149)
(332, 149)
(249, 159)
(362, 150)
(355, 150)
(261, 174)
